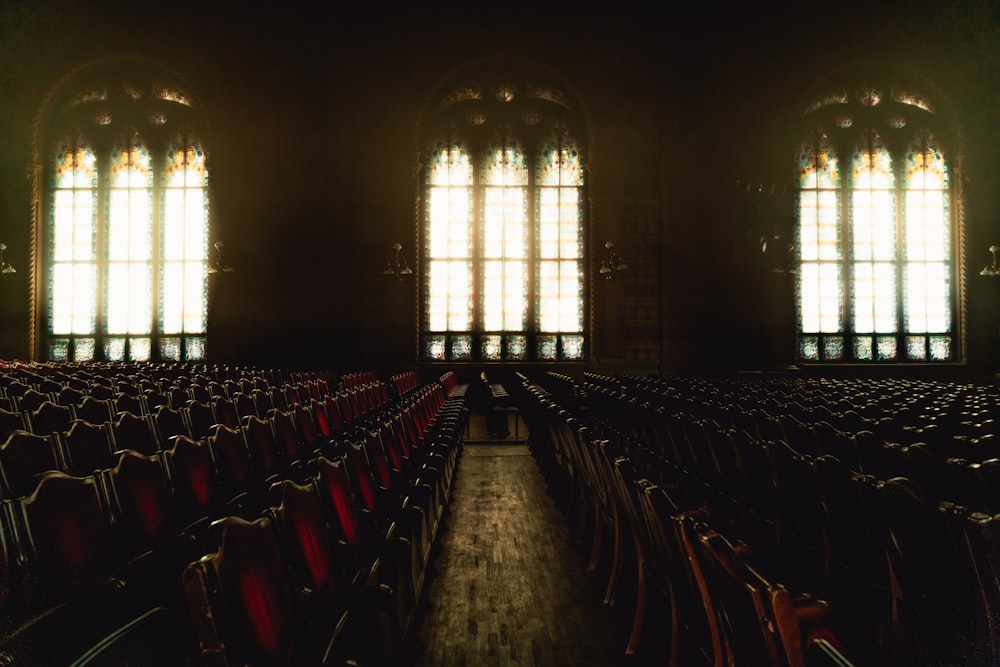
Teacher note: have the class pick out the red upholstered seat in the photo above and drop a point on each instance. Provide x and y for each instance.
(244, 607)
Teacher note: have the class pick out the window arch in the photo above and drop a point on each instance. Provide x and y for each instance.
(877, 227)
(503, 223)
(121, 233)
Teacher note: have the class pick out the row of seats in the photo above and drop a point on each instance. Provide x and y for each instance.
(146, 397)
(910, 439)
(385, 549)
(452, 386)
(60, 438)
(405, 381)
(145, 518)
(873, 560)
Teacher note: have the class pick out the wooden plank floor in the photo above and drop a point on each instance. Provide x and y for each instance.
(508, 586)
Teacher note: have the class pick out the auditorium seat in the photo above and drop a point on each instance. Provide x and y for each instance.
(879, 458)
(153, 399)
(672, 526)
(134, 431)
(800, 552)
(306, 433)
(240, 483)
(728, 495)
(168, 422)
(88, 447)
(835, 442)
(262, 403)
(759, 620)
(126, 402)
(200, 418)
(267, 454)
(151, 523)
(942, 478)
(79, 582)
(364, 587)
(68, 395)
(372, 496)
(982, 530)
(31, 399)
(94, 410)
(14, 390)
(104, 392)
(177, 396)
(11, 421)
(670, 599)
(200, 392)
(983, 486)
(760, 520)
(613, 546)
(197, 487)
(287, 438)
(49, 418)
(353, 526)
(243, 404)
(859, 587)
(24, 458)
(245, 609)
(321, 419)
(388, 477)
(935, 570)
(638, 548)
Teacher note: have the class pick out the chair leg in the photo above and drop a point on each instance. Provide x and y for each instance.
(639, 616)
(597, 543)
(614, 572)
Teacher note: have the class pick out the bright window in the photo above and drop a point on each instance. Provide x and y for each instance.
(875, 280)
(126, 235)
(503, 224)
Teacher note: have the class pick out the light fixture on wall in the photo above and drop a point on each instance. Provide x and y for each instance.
(788, 264)
(5, 267)
(396, 267)
(612, 262)
(992, 270)
(218, 266)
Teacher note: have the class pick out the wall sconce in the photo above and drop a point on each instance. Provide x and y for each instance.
(612, 262)
(788, 263)
(991, 270)
(5, 268)
(396, 266)
(218, 266)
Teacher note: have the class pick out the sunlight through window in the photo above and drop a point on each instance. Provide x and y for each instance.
(503, 228)
(874, 244)
(127, 228)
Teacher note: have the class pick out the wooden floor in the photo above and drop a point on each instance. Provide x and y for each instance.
(508, 586)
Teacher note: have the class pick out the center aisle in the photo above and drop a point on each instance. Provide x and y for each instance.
(507, 586)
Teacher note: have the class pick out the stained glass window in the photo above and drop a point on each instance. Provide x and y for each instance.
(874, 231)
(125, 235)
(503, 222)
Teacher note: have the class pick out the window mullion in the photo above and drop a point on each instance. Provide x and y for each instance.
(477, 260)
(155, 259)
(531, 256)
(101, 256)
(847, 260)
(900, 257)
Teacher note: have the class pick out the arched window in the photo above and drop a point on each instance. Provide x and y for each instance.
(876, 228)
(503, 224)
(122, 231)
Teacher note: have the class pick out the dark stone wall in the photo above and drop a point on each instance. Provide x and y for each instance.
(314, 110)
